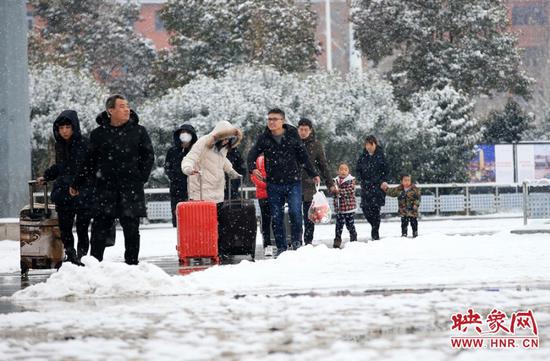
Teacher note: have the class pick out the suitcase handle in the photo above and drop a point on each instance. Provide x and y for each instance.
(229, 188)
(32, 184)
(200, 185)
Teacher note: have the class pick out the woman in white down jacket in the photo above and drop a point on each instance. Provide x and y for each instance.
(208, 157)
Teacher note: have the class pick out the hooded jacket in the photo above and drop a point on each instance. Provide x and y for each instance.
(283, 161)
(172, 164)
(344, 201)
(70, 158)
(318, 158)
(408, 200)
(372, 171)
(212, 162)
(120, 159)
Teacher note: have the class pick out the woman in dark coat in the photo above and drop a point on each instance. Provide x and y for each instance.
(372, 171)
(184, 138)
(71, 151)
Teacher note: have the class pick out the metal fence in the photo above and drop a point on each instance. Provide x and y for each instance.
(530, 199)
(536, 199)
(466, 199)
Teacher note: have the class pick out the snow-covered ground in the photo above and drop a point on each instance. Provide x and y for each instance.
(383, 300)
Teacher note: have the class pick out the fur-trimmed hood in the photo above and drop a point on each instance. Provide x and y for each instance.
(224, 130)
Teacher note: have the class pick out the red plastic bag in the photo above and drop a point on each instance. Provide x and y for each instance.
(319, 211)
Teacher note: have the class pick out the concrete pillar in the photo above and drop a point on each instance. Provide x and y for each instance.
(15, 141)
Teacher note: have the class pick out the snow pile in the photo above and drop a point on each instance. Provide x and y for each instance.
(394, 262)
(105, 279)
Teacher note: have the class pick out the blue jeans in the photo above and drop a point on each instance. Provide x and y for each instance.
(278, 194)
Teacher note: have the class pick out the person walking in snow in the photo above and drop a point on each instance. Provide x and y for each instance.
(71, 152)
(408, 197)
(206, 165)
(263, 201)
(207, 160)
(285, 155)
(316, 154)
(121, 157)
(372, 171)
(184, 138)
(344, 204)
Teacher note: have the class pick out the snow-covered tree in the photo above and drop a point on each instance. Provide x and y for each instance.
(508, 125)
(52, 90)
(343, 109)
(96, 35)
(208, 37)
(440, 143)
(465, 44)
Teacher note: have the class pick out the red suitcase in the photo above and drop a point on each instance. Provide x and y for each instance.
(197, 233)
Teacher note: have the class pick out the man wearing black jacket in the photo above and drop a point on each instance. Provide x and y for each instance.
(285, 155)
(121, 157)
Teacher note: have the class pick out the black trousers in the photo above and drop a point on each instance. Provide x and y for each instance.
(349, 220)
(372, 215)
(405, 224)
(174, 200)
(309, 226)
(101, 229)
(265, 211)
(66, 221)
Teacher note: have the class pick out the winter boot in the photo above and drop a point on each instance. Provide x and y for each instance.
(337, 242)
(81, 253)
(353, 237)
(415, 234)
(404, 235)
(374, 234)
(70, 254)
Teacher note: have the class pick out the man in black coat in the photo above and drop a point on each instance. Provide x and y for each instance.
(372, 171)
(284, 155)
(121, 158)
(71, 152)
(184, 138)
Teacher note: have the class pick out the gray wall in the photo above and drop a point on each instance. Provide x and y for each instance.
(15, 146)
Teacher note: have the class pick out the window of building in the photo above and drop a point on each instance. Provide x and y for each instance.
(159, 23)
(531, 14)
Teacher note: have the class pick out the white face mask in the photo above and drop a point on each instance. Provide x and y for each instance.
(185, 137)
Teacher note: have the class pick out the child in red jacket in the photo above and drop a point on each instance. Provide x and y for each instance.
(261, 195)
(344, 204)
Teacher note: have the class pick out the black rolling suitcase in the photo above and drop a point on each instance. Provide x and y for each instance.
(39, 235)
(237, 226)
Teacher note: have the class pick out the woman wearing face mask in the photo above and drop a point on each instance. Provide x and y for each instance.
(208, 158)
(184, 138)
